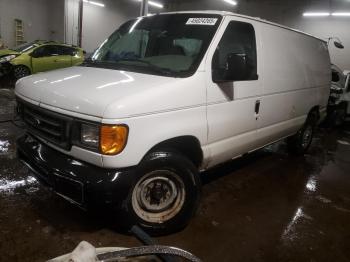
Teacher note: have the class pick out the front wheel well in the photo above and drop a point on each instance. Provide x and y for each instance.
(21, 65)
(189, 146)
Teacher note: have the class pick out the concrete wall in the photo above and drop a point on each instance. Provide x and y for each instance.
(55, 19)
(43, 19)
(100, 22)
(289, 13)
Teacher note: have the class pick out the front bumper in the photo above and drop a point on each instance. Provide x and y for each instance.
(5, 68)
(79, 182)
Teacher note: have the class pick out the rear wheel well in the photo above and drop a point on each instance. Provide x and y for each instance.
(189, 146)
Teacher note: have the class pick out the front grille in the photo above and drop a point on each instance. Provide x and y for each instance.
(51, 126)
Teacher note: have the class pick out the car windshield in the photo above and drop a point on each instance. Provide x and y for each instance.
(169, 44)
(24, 47)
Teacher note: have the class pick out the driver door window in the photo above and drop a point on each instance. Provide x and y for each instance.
(238, 39)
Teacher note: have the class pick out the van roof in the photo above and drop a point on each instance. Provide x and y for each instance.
(226, 13)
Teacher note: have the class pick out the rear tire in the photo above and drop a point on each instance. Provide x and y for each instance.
(164, 196)
(301, 141)
(21, 71)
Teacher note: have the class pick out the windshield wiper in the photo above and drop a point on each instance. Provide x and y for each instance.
(109, 64)
(89, 61)
(163, 70)
(134, 60)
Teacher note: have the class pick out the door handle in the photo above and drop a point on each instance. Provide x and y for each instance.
(257, 107)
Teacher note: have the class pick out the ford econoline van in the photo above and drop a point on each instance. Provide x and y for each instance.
(164, 98)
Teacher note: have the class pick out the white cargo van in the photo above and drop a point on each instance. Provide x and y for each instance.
(163, 98)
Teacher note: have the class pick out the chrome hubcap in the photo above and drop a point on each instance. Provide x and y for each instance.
(158, 196)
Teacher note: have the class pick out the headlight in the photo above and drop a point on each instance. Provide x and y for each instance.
(113, 139)
(89, 135)
(108, 139)
(7, 58)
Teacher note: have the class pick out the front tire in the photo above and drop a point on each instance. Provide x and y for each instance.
(21, 71)
(165, 194)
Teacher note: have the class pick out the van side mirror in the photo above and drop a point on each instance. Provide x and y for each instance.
(236, 69)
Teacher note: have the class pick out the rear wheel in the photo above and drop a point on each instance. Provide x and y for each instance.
(164, 195)
(301, 141)
(21, 71)
(340, 115)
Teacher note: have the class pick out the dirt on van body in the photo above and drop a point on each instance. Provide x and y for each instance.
(267, 206)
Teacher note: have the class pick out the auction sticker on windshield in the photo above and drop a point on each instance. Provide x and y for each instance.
(201, 21)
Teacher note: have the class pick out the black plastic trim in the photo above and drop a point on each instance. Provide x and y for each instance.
(79, 182)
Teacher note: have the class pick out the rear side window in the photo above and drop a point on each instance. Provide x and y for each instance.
(66, 50)
(335, 77)
(239, 38)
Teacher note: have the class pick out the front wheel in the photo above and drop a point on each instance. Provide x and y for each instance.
(164, 195)
(20, 71)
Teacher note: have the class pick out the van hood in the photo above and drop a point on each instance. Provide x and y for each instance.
(103, 93)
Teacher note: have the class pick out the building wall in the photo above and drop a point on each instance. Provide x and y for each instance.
(100, 22)
(55, 19)
(289, 13)
(71, 21)
(42, 19)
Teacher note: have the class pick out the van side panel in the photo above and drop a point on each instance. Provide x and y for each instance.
(296, 77)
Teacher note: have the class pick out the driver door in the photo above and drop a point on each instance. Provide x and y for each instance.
(233, 107)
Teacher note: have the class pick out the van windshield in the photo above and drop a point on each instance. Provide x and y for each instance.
(170, 44)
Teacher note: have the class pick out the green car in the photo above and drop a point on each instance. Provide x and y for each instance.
(39, 56)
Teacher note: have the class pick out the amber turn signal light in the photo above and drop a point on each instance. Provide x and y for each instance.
(113, 139)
